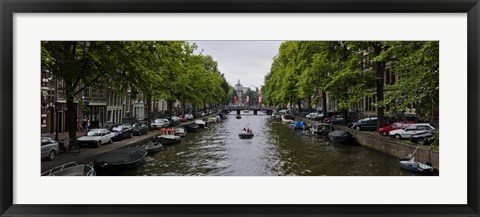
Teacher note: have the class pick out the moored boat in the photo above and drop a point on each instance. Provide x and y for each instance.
(321, 129)
(193, 127)
(71, 169)
(409, 163)
(300, 125)
(201, 123)
(180, 131)
(168, 137)
(153, 147)
(121, 159)
(340, 137)
(212, 119)
(238, 117)
(287, 118)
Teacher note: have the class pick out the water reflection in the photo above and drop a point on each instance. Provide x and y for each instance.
(275, 150)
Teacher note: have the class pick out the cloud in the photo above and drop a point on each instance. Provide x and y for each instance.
(248, 61)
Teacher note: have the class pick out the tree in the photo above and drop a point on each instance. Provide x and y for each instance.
(80, 64)
(417, 64)
(379, 53)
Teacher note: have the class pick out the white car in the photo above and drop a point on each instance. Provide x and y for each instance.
(410, 130)
(159, 123)
(189, 116)
(313, 115)
(96, 137)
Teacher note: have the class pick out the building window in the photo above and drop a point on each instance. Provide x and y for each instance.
(86, 92)
(387, 76)
(94, 92)
(101, 93)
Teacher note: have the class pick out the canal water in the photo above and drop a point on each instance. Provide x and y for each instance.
(275, 150)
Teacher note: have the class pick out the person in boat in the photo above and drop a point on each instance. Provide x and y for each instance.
(244, 130)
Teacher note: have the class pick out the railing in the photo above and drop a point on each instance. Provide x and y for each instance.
(247, 108)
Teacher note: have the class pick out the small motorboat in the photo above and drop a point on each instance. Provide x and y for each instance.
(245, 135)
(340, 137)
(168, 137)
(153, 147)
(288, 119)
(201, 123)
(193, 127)
(409, 163)
(413, 166)
(212, 119)
(321, 129)
(71, 169)
(300, 125)
(239, 117)
(180, 131)
(120, 159)
(218, 118)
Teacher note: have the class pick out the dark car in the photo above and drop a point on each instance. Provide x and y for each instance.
(423, 138)
(329, 115)
(365, 124)
(122, 131)
(139, 129)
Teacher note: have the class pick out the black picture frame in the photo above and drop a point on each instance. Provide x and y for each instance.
(9, 7)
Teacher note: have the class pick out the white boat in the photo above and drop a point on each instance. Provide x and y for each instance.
(168, 137)
(212, 119)
(180, 131)
(201, 123)
(288, 119)
(71, 169)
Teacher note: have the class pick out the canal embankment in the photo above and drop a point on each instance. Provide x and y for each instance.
(387, 145)
(89, 154)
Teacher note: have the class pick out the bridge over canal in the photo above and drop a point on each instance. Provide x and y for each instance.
(255, 109)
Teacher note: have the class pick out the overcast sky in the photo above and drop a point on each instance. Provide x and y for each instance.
(248, 61)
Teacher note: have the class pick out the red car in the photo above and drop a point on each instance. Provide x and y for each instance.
(183, 118)
(395, 126)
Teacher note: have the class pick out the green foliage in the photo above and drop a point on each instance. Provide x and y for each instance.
(417, 63)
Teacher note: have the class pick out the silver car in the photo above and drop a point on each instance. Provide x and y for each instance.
(49, 148)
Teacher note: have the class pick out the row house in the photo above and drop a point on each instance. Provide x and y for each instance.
(366, 104)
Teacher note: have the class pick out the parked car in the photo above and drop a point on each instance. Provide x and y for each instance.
(189, 116)
(96, 137)
(329, 115)
(423, 138)
(395, 126)
(313, 115)
(330, 119)
(174, 121)
(183, 118)
(139, 129)
(410, 130)
(122, 131)
(159, 123)
(49, 148)
(365, 124)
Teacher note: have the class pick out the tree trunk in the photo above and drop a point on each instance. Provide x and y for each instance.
(148, 109)
(184, 109)
(324, 102)
(169, 106)
(70, 121)
(345, 116)
(380, 71)
(299, 106)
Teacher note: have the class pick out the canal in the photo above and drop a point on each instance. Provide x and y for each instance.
(275, 150)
